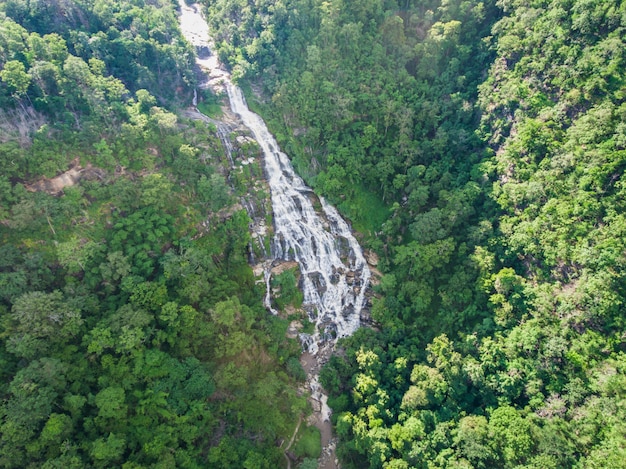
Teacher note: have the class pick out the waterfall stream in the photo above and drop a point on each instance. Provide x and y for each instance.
(334, 273)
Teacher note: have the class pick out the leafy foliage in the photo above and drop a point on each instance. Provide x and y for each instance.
(479, 146)
(131, 330)
(492, 134)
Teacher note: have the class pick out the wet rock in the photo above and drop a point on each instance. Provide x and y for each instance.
(311, 311)
(329, 332)
(348, 311)
(307, 342)
(350, 277)
(318, 282)
(365, 316)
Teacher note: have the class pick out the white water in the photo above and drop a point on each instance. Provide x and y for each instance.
(334, 272)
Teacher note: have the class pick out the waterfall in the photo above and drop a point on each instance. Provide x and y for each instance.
(223, 133)
(334, 273)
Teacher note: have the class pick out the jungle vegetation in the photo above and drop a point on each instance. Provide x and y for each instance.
(132, 332)
(478, 147)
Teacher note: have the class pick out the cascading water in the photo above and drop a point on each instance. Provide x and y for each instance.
(333, 269)
(334, 272)
(223, 132)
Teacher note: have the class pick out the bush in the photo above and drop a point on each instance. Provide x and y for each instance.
(309, 445)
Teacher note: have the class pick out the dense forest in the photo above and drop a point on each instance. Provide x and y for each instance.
(478, 149)
(132, 332)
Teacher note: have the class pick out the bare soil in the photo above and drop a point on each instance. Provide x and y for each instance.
(69, 178)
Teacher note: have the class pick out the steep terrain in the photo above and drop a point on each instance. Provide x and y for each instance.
(479, 146)
(132, 329)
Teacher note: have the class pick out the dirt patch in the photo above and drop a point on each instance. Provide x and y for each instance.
(55, 185)
(328, 459)
(283, 266)
(227, 117)
(19, 125)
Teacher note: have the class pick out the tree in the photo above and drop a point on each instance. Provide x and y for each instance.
(15, 76)
(214, 191)
(38, 321)
(75, 253)
(33, 393)
(511, 435)
(473, 442)
(108, 451)
(111, 403)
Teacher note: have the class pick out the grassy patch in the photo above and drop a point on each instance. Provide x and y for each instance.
(251, 99)
(308, 327)
(210, 109)
(309, 444)
(287, 285)
(366, 210)
(210, 104)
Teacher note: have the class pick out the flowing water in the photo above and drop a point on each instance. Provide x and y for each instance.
(334, 273)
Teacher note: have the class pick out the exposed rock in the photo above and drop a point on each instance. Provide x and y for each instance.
(376, 276)
(294, 329)
(243, 139)
(318, 281)
(365, 317)
(316, 405)
(20, 125)
(282, 266)
(348, 310)
(371, 257)
(350, 276)
(69, 178)
(258, 269)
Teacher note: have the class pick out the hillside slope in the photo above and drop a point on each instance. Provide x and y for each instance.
(132, 332)
(480, 147)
